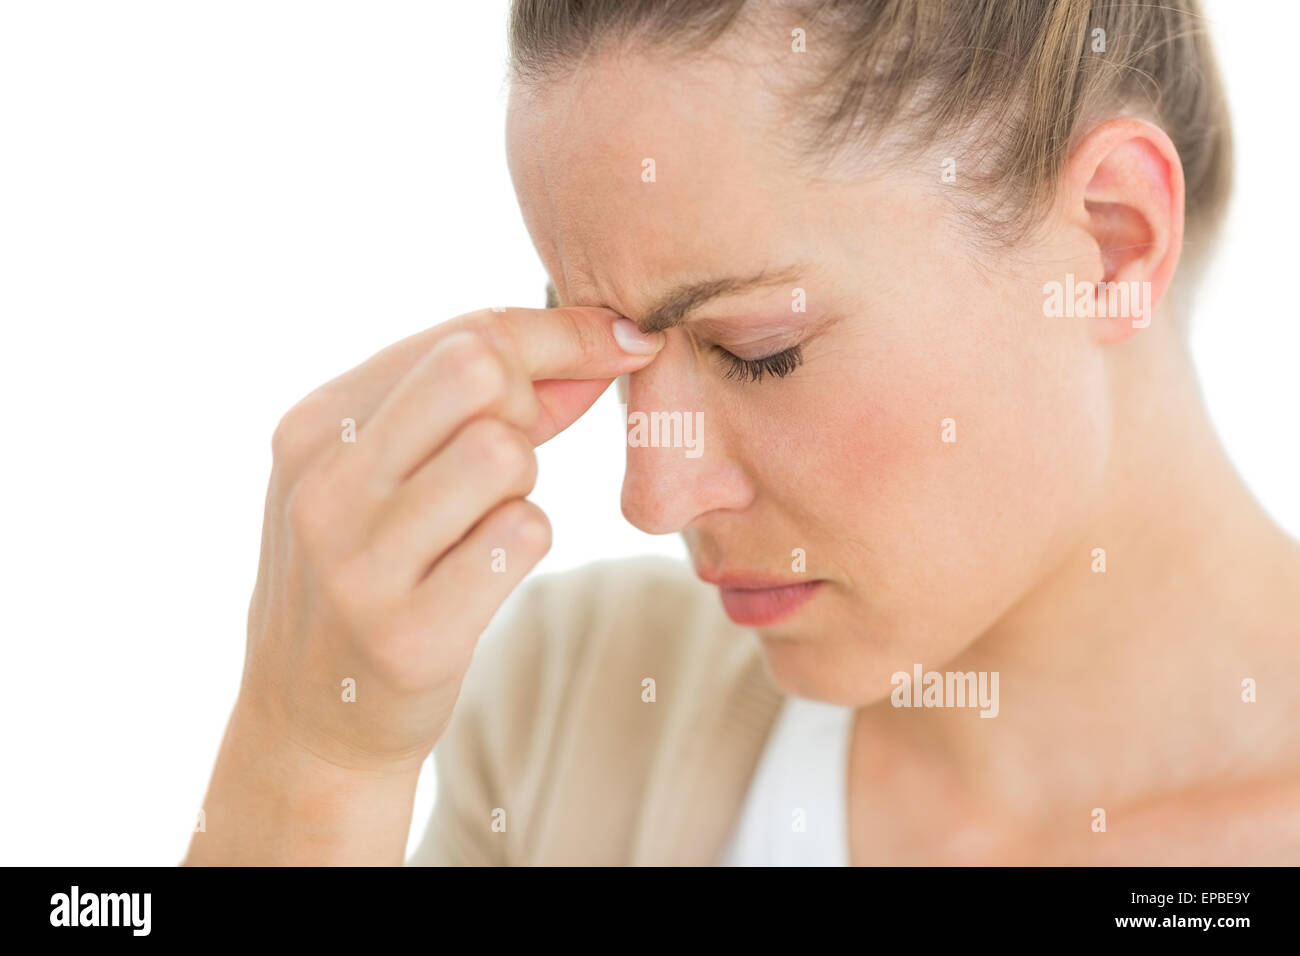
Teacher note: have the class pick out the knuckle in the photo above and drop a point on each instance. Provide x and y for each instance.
(490, 368)
(526, 476)
(479, 371)
(297, 435)
(462, 345)
(475, 321)
(281, 437)
(494, 330)
(288, 435)
(529, 527)
(516, 459)
(497, 446)
(586, 341)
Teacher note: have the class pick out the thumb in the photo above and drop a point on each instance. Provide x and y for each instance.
(563, 402)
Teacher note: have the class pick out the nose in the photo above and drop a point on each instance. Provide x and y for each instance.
(679, 445)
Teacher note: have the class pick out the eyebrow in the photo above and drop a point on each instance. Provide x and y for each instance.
(672, 308)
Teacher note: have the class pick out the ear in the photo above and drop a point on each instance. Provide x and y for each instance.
(1123, 185)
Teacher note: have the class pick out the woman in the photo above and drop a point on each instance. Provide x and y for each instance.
(893, 292)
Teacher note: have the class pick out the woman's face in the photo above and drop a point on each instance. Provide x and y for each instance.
(921, 544)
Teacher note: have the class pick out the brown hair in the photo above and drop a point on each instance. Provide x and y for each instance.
(1008, 83)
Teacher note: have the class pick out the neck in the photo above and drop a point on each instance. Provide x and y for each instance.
(1128, 683)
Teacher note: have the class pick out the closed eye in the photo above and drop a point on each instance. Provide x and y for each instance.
(752, 370)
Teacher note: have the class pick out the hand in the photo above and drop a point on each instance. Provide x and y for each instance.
(377, 557)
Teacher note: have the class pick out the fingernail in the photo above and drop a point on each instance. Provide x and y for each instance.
(631, 339)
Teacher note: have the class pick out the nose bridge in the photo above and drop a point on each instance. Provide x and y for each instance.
(671, 382)
(678, 465)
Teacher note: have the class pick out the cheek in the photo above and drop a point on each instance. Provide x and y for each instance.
(951, 462)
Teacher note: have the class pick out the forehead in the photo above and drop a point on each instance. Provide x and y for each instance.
(582, 149)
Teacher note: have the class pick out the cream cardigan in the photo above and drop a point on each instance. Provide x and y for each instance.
(552, 739)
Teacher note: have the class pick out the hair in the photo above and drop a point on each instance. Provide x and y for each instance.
(1006, 86)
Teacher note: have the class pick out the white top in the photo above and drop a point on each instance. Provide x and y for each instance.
(795, 813)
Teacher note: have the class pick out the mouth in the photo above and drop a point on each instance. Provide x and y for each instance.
(753, 600)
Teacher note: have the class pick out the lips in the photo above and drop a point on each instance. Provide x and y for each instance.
(756, 600)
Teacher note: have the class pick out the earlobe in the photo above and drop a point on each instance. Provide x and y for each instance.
(1127, 189)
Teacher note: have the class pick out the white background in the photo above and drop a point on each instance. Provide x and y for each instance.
(206, 210)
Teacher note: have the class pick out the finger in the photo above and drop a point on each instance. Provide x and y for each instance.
(465, 589)
(576, 342)
(371, 381)
(562, 403)
(539, 347)
(461, 377)
(486, 463)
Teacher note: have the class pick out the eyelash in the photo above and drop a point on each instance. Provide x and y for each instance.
(778, 366)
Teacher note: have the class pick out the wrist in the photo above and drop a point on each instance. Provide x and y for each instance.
(273, 800)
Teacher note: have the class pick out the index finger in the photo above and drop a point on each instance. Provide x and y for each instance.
(571, 342)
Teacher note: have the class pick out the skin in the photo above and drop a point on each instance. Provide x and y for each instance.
(377, 567)
(1120, 690)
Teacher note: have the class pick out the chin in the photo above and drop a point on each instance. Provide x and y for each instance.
(834, 673)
